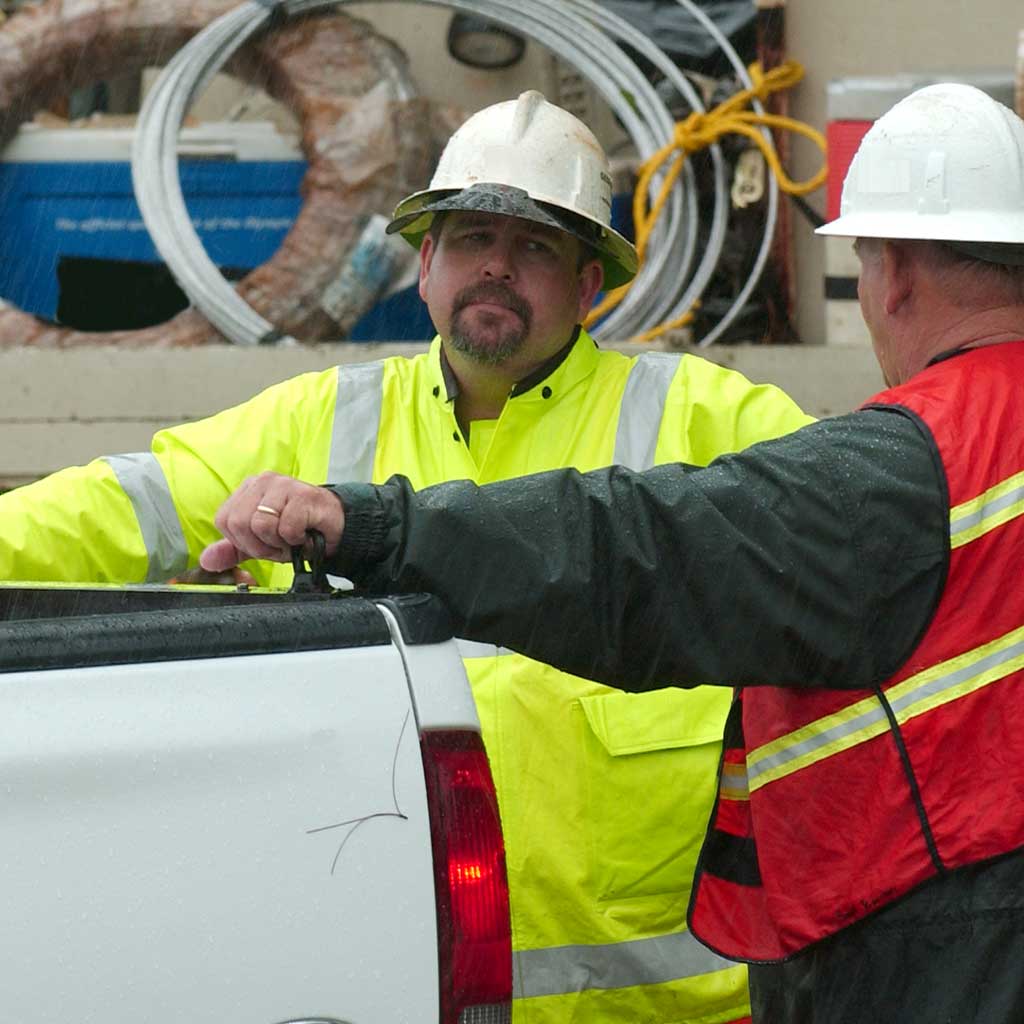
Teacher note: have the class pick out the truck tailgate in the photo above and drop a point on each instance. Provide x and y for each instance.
(216, 839)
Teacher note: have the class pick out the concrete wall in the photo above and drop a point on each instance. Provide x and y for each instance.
(66, 407)
(421, 31)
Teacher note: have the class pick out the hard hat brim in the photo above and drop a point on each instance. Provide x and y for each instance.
(414, 215)
(973, 226)
(997, 241)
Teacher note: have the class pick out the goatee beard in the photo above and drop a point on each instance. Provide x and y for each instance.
(490, 344)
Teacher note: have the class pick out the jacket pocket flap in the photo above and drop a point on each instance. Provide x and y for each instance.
(634, 723)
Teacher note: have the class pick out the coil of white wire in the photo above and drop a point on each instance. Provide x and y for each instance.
(579, 32)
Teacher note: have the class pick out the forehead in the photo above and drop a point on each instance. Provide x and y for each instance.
(500, 222)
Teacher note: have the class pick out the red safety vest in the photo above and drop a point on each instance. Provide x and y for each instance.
(834, 803)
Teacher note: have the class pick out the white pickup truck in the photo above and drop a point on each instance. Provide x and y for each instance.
(241, 808)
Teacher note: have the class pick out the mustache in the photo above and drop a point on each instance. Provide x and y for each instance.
(496, 292)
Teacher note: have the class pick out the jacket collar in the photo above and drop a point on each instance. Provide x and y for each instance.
(567, 367)
(970, 347)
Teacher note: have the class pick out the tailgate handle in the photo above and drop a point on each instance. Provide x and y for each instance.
(312, 580)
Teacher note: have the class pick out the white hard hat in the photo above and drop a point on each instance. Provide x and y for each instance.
(526, 158)
(944, 164)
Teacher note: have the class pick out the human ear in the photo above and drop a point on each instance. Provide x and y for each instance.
(426, 258)
(897, 275)
(591, 279)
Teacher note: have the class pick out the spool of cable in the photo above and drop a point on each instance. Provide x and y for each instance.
(581, 33)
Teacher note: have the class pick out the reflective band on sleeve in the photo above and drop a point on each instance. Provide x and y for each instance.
(643, 405)
(356, 423)
(998, 505)
(142, 479)
(561, 970)
(932, 688)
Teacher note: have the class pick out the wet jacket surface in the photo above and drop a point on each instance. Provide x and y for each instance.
(694, 556)
(690, 556)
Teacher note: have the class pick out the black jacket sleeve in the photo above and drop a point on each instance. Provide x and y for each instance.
(816, 559)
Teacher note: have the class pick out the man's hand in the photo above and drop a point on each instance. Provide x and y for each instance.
(269, 515)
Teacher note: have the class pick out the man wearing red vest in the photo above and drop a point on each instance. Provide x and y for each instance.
(865, 854)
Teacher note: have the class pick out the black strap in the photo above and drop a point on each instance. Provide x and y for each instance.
(812, 216)
(312, 580)
(915, 790)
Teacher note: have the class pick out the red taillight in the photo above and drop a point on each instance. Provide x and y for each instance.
(474, 933)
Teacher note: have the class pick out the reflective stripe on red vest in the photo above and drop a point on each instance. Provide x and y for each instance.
(834, 803)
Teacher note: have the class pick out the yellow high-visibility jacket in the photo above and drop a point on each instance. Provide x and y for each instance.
(604, 795)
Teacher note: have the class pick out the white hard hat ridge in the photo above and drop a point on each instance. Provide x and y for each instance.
(533, 145)
(946, 164)
(526, 151)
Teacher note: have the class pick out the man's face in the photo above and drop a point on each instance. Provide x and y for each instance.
(504, 291)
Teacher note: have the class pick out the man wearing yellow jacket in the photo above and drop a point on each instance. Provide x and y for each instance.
(515, 243)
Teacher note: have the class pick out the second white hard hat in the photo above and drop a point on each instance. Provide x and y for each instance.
(526, 158)
(944, 164)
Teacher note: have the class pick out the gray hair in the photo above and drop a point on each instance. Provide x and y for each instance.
(990, 269)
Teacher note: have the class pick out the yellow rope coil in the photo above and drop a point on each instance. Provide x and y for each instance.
(698, 132)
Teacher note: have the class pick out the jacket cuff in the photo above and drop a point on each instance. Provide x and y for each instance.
(362, 541)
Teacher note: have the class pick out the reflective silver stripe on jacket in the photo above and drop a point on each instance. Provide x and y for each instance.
(991, 508)
(998, 505)
(643, 405)
(933, 687)
(357, 412)
(142, 479)
(562, 970)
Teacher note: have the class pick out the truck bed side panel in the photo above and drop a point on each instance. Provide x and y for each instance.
(280, 795)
